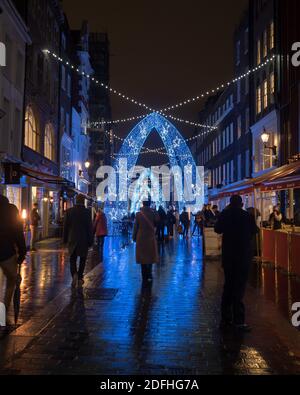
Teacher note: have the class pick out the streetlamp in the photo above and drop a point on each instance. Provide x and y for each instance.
(265, 137)
(87, 164)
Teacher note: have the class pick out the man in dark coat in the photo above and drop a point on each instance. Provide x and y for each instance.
(12, 246)
(78, 235)
(185, 220)
(238, 229)
(34, 225)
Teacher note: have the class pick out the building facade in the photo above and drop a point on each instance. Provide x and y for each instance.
(102, 142)
(14, 36)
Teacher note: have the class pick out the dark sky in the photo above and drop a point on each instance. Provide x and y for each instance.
(163, 51)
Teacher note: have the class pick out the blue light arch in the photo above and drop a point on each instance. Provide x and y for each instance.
(177, 150)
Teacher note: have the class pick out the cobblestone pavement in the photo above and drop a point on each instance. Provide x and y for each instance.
(113, 326)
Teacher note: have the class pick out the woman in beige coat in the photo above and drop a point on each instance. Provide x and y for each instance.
(146, 244)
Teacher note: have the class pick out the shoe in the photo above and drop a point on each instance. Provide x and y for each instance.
(75, 280)
(243, 328)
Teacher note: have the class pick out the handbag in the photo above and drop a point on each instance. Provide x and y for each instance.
(180, 229)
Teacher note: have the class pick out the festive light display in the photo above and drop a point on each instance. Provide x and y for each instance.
(162, 111)
(177, 151)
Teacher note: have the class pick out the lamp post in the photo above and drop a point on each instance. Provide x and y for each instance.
(87, 164)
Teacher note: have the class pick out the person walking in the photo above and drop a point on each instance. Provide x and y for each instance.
(161, 224)
(171, 221)
(146, 244)
(238, 229)
(78, 235)
(185, 221)
(12, 246)
(100, 229)
(34, 225)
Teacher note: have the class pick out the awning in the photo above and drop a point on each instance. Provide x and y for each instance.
(44, 177)
(285, 177)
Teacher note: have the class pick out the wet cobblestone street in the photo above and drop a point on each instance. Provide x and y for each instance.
(113, 326)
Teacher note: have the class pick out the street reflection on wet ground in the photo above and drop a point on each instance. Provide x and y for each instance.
(114, 326)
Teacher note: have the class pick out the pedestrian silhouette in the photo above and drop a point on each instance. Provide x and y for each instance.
(238, 228)
(146, 244)
(12, 246)
(78, 235)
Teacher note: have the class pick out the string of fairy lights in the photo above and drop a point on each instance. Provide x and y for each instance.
(162, 111)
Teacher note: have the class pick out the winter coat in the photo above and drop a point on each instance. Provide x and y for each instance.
(238, 229)
(12, 240)
(144, 236)
(184, 218)
(100, 225)
(34, 217)
(78, 230)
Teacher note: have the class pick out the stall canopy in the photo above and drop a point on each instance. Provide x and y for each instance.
(285, 177)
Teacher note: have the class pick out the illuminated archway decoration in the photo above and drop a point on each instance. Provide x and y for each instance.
(177, 150)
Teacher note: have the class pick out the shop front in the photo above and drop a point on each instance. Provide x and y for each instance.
(279, 247)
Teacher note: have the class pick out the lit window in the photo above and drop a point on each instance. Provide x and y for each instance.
(258, 52)
(272, 36)
(265, 49)
(258, 100)
(31, 132)
(272, 84)
(49, 142)
(265, 98)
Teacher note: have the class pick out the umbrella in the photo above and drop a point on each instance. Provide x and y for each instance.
(17, 295)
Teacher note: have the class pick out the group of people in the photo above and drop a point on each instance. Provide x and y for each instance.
(206, 217)
(237, 226)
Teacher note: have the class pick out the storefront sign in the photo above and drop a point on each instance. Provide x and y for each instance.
(2, 55)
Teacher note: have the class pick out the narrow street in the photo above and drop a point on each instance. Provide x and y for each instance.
(113, 326)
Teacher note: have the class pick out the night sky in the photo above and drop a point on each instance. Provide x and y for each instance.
(163, 51)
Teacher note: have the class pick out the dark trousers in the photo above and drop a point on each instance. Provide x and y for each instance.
(73, 265)
(236, 276)
(161, 232)
(171, 230)
(146, 272)
(186, 228)
(100, 243)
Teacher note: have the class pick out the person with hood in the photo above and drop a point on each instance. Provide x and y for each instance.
(78, 235)
(144, 237)
(12, 246)
(100, 229)
(238, 229)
